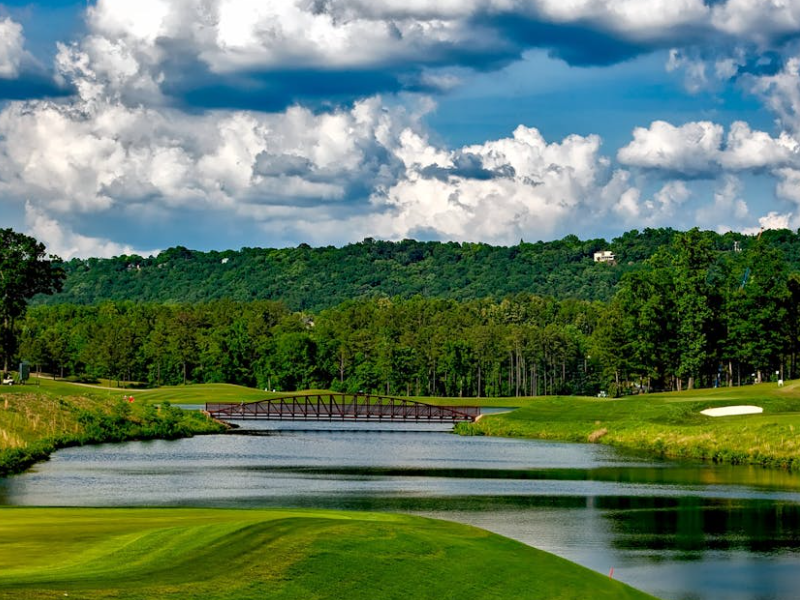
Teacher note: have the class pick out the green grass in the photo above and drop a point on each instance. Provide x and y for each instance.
(62, 388)
(502, 402)
(668, 425)
(213, 554)
(36, 419)
(180, 394)
(200, 393)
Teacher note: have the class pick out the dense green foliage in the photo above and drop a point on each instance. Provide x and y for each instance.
(210, 554)
(698, 315)
(25, 271)
(693, 308)
(668, 425)
(519, 346)
(306, 278)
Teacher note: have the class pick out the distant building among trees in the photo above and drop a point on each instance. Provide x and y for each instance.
(606, 256)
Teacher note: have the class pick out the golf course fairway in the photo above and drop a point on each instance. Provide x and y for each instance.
(242, 554)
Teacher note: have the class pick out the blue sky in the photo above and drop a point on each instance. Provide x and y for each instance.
(132, 127)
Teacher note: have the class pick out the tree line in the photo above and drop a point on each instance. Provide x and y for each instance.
(307, 278)
(313, 279)
(696, 315)
(693, 315)
(695, 312)
(424, 347)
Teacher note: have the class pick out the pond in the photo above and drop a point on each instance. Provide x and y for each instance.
(675, 530)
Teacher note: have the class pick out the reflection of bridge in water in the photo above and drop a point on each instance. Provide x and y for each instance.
(342, 407)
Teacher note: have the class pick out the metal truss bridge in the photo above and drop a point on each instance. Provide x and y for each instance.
(342, 407)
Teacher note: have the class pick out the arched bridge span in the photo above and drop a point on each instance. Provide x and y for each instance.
(342, 407)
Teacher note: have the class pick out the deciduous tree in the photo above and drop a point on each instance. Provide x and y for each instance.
(25, 270)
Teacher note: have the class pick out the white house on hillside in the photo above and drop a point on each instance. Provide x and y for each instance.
(604, 256)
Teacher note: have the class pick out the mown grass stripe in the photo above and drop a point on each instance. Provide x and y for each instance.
(218, 554)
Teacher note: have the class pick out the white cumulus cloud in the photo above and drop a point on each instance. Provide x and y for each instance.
(66, 244)
(781, 93)
(370, 167)
(692, 148)
(633, 19)
(12, 51)
(700, 149)
(772, 220)
(747, 149)
(501, 190)
(788, 184)
(231, 35)
(235, 35)
(759, 20)
(94, 156)
(652, 212)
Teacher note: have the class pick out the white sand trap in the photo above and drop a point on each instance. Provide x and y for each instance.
(728, 411)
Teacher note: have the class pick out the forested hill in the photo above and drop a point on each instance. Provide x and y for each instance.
(307, 278)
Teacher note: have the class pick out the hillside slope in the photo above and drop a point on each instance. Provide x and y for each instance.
(306, 278)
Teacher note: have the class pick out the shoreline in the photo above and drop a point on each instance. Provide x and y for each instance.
(660, 428)
(34, 423)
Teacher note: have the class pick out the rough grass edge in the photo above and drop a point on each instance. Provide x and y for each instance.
(100, 428)
(656, 448)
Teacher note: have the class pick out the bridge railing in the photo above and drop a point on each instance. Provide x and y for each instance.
(341, 407)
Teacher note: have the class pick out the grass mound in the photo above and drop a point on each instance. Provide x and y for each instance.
(211, 554)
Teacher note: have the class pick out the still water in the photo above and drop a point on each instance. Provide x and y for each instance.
(677, 531)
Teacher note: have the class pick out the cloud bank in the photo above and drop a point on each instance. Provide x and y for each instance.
(11, 48)
(306, 119)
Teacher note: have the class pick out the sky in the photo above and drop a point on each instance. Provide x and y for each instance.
(131, 127)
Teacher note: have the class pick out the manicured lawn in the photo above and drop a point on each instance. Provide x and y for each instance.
(62, 388)
(201, 393)
(211, 554)
(181, 394)
(668, 425)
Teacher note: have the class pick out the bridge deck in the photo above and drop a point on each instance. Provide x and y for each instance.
(340, 407)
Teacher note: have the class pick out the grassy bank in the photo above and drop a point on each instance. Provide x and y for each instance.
(35, 420)
(667, 425)
(282, 554)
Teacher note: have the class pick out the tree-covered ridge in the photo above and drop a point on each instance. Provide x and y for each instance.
(692, 315)
(307, 278)
(701, 309)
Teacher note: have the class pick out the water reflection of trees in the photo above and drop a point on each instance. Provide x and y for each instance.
(690, 526)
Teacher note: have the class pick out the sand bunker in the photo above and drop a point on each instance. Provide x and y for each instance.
(727, 411)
